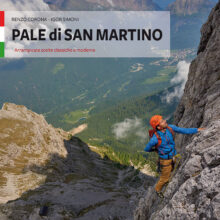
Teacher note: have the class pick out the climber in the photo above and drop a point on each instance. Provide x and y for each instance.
(163, 142)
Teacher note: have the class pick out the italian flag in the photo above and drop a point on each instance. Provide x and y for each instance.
(2, 34)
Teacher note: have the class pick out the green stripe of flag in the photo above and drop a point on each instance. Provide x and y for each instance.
(2, 49)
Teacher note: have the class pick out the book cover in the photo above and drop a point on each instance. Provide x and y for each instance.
(81, 83)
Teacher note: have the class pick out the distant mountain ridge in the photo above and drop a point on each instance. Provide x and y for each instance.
(179, 7)
(103, 5)
(189, 7)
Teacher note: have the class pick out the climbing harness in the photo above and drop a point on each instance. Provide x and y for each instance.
(160, 166)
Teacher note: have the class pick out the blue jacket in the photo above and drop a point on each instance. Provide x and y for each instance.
(167, 148)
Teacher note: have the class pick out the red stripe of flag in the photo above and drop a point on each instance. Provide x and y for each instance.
(2, 18)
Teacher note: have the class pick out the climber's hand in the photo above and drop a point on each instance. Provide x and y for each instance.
(201, 129)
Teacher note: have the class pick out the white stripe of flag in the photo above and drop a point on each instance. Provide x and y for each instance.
(2, 34)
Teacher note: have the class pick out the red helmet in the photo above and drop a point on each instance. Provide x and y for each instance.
(155, 120)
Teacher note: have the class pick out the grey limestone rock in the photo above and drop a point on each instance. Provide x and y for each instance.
(194, 191)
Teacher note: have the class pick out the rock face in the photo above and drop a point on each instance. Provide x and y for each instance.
(40, 166)
(25, 138)
(189, 7)
(103, 5)
(194, 192)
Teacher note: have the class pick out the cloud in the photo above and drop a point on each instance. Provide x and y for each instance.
(24, 5)
(180, 78)
(21, 8)
(130, 126)
(25, 9)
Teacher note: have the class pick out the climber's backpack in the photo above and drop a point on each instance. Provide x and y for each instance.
(154, 131)
(151, 133)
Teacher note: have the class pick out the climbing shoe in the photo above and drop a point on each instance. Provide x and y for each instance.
(160, 194)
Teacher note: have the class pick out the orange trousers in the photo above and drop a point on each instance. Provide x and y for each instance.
(166, 169)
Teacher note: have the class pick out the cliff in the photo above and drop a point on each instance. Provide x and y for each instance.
(25, 138)
(44, 166)
(194, 192)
